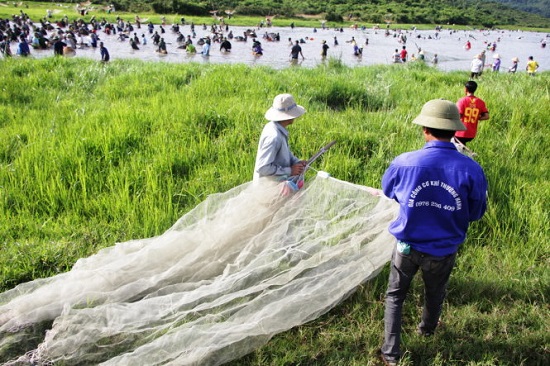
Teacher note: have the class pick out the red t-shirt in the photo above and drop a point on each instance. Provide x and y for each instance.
(470, 109)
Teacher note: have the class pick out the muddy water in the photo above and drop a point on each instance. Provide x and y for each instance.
(448, 45)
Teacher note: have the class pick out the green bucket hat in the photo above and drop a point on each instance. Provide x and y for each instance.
(440, 114)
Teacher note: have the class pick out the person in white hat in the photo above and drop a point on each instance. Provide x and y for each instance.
(514, 66)
(274, 158)
(496, 62)
(439, 191)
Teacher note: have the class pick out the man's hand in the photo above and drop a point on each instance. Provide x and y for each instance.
(298, 168)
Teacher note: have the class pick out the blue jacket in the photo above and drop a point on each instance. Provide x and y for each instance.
(23, 49)
(439, 191)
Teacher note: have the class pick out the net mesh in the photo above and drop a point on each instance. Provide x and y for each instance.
(239, 268)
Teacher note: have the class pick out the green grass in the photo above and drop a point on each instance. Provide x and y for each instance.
(93, 154)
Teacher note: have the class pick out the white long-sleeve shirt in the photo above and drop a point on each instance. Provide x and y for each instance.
(476, 65)
(274, 157)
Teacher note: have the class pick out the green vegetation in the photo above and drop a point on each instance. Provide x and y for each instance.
(93, 154)
(463, 12)
(541, 7)
(476, 13)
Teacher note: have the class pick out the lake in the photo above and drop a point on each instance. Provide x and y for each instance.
(447, 44)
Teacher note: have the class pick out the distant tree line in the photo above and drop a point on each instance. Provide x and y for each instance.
(460, 12)
(541, 7)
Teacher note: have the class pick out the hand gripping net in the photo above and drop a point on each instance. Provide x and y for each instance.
(239, 268)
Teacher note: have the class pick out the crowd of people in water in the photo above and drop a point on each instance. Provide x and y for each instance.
(64, 37)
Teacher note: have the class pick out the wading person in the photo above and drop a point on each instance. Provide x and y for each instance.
(472, 110)
(5, 47)
(403, 54)
(133, 44)
(105, 57)
(206, 47)
(190, 48)
(23, 47)
(58, 46)
(162, 47)
(324, 49)
(476, 67)
(532, 66)
(274, 158)
(437, 203)
(514, 66)
(396, 57)
(296, 51)
(225, 45)
(496, 62)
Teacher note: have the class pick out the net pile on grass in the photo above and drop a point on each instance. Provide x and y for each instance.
(239, 268)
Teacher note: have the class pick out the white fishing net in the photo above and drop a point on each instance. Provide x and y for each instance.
(239, 268)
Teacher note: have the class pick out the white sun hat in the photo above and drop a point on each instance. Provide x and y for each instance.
(284, 108)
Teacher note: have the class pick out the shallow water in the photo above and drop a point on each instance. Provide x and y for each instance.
(449, 45)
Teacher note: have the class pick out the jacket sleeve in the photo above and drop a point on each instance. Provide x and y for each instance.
(388, 183)
(266, 158)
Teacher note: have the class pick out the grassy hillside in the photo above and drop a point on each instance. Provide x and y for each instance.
(434, 12)
(541, 7)
(94, 154)
(462, 12)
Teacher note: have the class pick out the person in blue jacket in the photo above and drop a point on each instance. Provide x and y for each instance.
(23, 48)
(439, 191)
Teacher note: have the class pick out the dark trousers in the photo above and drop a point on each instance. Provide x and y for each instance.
(464, 140)
(435, 275)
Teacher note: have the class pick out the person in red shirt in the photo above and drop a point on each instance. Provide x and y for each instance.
(404, 54)
(472, 110)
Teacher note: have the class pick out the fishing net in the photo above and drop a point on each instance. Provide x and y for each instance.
(239, 268)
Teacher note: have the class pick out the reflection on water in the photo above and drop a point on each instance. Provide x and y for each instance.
(448, 45)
